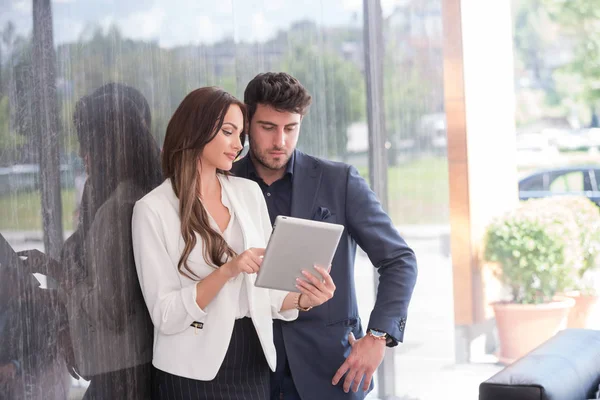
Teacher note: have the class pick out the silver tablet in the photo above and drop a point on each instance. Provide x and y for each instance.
(297, 244)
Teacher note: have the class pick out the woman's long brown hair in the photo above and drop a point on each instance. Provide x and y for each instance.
(197, 120)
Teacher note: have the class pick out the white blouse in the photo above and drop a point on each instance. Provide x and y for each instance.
(233, 235)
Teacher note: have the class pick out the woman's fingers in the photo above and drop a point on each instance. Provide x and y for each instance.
(309, 288)
(326, 277)
(250, 261)
(246, 268)
(326, 287)
(313, 280)
(257, 251)
(313, 300)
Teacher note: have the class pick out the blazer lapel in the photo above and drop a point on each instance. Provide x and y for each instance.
(305, 185)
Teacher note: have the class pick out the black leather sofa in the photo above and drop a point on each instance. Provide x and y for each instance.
(566, 367)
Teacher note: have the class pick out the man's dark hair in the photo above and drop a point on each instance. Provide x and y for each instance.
(279, 90)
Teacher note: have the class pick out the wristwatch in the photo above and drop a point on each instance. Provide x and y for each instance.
(377, 334)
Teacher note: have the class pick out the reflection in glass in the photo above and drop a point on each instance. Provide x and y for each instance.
(110, 327)
(110, 341)
(164, 51)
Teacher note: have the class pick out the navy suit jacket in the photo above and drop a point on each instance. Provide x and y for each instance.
(316, 343)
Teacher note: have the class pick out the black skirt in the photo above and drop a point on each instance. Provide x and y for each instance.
(244, 374)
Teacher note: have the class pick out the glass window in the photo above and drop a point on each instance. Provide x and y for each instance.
(75, 76)
(568, 182)
(62, 159)
(534, 183)
(418, 195)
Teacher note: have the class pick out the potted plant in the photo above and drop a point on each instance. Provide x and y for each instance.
(587, 216)
(537, 251)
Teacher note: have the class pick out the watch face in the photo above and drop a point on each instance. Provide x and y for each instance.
(377, 333)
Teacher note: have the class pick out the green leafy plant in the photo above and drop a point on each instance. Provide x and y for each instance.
(538, 249)
(587, 217)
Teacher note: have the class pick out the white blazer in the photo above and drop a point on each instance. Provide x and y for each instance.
(179, 348)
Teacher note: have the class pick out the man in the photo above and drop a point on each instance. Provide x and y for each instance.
(318, 355)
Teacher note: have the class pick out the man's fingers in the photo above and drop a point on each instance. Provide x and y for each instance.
(357, 379)
(351, 339)
(340, 373)
(367, 381)
(349, 379)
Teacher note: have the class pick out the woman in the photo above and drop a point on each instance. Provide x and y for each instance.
(110, 329)
(198, 241)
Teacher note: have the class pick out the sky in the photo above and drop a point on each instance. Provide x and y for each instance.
(182, 22)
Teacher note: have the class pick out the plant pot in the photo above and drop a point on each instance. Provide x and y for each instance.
(580, 313)
(523, 327)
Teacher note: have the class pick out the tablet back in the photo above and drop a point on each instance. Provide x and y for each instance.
(297, 244)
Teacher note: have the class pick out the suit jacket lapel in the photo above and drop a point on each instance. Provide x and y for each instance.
(305, 185)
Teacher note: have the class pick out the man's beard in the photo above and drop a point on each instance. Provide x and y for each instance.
(264, 160)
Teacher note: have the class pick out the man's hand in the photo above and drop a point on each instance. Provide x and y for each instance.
(366, 355)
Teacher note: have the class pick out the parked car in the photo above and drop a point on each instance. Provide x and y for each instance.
(579, 180)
